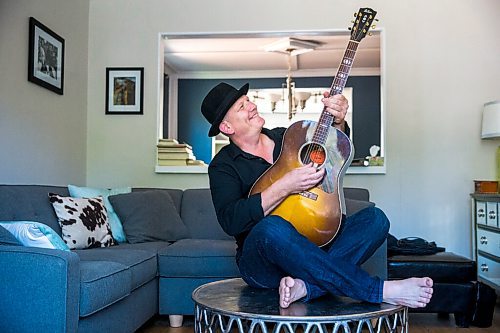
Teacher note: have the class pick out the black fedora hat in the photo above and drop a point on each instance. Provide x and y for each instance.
(218, 101)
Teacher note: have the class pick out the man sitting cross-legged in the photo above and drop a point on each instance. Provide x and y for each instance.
(271, 253)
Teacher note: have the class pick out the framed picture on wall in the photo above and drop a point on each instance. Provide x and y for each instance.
(124, 90)
(46, 57)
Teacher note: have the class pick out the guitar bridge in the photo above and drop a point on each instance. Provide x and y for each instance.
(309, 195)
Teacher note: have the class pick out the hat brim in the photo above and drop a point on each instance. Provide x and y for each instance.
(224, 107)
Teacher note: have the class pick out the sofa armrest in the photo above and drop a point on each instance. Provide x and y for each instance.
(357, 193)
(40, 290)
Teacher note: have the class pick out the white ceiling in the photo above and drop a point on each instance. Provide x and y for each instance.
(245, 52)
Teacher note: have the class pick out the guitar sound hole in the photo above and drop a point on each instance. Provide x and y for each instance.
(313, 152)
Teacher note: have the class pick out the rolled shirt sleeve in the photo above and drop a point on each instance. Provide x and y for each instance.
(236, 212)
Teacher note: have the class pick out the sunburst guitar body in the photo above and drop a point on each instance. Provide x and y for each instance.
(317, 212)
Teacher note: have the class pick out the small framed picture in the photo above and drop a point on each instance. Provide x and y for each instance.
(124, 90)
(46, 57)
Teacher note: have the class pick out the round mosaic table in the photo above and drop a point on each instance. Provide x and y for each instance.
(232, 306)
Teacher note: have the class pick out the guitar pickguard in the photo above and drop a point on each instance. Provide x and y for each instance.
(339, 154)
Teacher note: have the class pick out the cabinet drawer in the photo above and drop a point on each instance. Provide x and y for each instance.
(481, 212)
(488, 241)
(492, 214)
(488, 269)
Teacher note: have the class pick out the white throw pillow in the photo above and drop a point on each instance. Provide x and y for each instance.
(113, 219)
(84, 222)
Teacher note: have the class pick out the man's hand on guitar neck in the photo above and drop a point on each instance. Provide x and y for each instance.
(294, 181)
(337, 105)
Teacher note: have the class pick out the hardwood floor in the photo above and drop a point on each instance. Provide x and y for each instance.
(419, 323)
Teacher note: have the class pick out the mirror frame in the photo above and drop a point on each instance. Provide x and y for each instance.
(174, 77)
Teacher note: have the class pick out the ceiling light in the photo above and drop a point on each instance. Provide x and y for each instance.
(292, 46)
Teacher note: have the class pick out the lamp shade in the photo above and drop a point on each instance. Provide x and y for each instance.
(491, 120)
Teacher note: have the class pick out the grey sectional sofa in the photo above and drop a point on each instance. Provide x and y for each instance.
(117, 289)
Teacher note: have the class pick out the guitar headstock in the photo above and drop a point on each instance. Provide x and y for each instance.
(362, 23)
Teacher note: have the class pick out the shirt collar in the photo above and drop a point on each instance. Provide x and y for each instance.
(235, 151)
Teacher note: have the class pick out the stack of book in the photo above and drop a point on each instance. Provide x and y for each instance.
(173, 153)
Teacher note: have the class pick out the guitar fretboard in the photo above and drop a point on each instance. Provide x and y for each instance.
(326, 119)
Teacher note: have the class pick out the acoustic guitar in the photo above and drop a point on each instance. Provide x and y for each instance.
(317, 212)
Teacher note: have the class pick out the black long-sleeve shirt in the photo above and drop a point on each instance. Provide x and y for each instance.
(232, 174)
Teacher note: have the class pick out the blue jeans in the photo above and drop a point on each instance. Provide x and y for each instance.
(274, 249)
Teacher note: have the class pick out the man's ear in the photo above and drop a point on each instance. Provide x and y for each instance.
(226, 128)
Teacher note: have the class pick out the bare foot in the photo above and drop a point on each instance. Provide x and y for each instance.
(412, 292)
(291, 290)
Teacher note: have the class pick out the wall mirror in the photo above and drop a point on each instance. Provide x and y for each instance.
(287, 72)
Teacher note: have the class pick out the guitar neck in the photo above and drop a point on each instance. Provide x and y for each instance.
(340, 79)
(326, 119)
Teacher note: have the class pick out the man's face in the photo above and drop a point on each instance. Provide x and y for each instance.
(244, 117)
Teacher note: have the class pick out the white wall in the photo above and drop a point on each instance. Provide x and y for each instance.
(441, 66)
(42, 134)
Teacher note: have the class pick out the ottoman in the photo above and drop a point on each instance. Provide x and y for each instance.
(454, 281)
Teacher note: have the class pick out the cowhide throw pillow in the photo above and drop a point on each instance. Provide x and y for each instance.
(84, 222)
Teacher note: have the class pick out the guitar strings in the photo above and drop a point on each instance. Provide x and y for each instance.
(338, 84)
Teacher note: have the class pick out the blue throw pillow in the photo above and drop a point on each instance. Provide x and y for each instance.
(34, 234)
(149, 216)
(113, 219)
(6, 238)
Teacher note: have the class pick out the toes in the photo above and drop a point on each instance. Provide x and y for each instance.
(285, 286)
(423, 300)
(284, 302)
(417, 304)
(289, 282)
(426, 291)
(421, 304)
(285, 295)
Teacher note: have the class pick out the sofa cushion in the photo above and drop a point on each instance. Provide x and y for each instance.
(153, 247)
(141, 263)
(84, 222)
(34, 234)
(357, 193)
(198, 213)
(353, 206)
(113, 219)
(102, 283)
(199, 258)
(175, 194)
(29, 203)
(149, 216)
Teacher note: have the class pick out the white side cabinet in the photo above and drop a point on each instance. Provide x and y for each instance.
(486, 227)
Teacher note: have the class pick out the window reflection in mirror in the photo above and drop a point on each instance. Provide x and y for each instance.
(195, 64)
(274, 106)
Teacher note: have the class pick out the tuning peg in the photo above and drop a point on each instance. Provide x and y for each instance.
(355, 14)
(376, 20)
(370, 34)
(374, 26)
